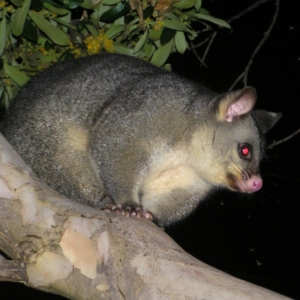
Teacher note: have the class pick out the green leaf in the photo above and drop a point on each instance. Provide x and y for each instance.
(67, 56)
(91, 28)
(161, 55)
(75, 3)
(54, 33)
(87, 4)
(56, 4)
(48, 58)
(2, 35)
(36, 5)
(35, 59)
(48, 45)
(5, 98)
(148, 49)
(130, 29)
(204, 11)
(184, 4)
(114, 31)
(110, 2)
(19, 17)
(1, 92)
(66, 19)
(180, 42)
(86, 23)
(64, 23)
(148, 11)
(213, 20)
(167, 35)
(120, 21)
(10, 92)
(115, 13)
(99, 11)
(30, 32)
(192, 34)
(80, 25)
(18, 77)
(57, 10)
(171, 16)
(198, 5)
(16, 2)
(141, 42)
(173, 24)
(123, 50)
(154, 35)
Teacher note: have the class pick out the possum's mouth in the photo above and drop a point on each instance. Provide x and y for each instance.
(245, 183)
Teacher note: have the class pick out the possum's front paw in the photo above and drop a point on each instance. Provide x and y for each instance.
(129, 211)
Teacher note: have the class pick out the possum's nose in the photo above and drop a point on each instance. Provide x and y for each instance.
(256, 183)
(250, 185)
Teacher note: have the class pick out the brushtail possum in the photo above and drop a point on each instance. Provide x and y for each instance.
(115, 129)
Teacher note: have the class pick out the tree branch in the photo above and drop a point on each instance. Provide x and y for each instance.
(245, 73)
(248, 9)
(12, 271)
(284, 139)
(210, 39)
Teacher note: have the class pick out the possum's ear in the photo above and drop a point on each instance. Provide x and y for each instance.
(265, 120)
(232, 105)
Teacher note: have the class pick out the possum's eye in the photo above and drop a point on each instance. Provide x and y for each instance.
(245, 151)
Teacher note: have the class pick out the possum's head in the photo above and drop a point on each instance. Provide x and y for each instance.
(235, 141)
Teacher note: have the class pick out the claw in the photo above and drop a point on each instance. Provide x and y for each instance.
(129, 211)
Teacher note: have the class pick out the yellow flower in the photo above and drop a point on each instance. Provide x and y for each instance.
(43, 67)
(43, 50)
(108, 45)
(92, 45)
(158, 25)
(95, 44)
(77, 52)
(147, 21)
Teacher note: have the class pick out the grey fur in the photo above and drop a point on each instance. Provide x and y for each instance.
(96, 127)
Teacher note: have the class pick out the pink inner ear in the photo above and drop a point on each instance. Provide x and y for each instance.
(241, 105)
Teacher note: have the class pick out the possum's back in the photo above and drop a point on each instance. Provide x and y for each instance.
(65, 85)
(71, 92)
(50, 120)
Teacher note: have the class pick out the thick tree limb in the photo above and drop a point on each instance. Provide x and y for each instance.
(60, 246)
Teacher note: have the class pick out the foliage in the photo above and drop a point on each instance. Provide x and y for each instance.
(36, 33)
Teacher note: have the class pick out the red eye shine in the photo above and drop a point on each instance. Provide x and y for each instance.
(245, 151)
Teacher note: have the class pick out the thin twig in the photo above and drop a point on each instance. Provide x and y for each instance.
(203, 30)
(266, 35)
(237, 80)
(201, 43)
(244, 74)
(209, 40)
(213, 35)
(284, 140)
(84, 15)
(248, 9)
(209, 44)
(197, 56)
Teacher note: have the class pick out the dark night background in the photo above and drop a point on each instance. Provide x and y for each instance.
(255, 238)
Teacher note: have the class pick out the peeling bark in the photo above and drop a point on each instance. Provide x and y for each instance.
(63, 247)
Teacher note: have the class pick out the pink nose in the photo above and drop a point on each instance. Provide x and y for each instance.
(250, 185)
(256, 184)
